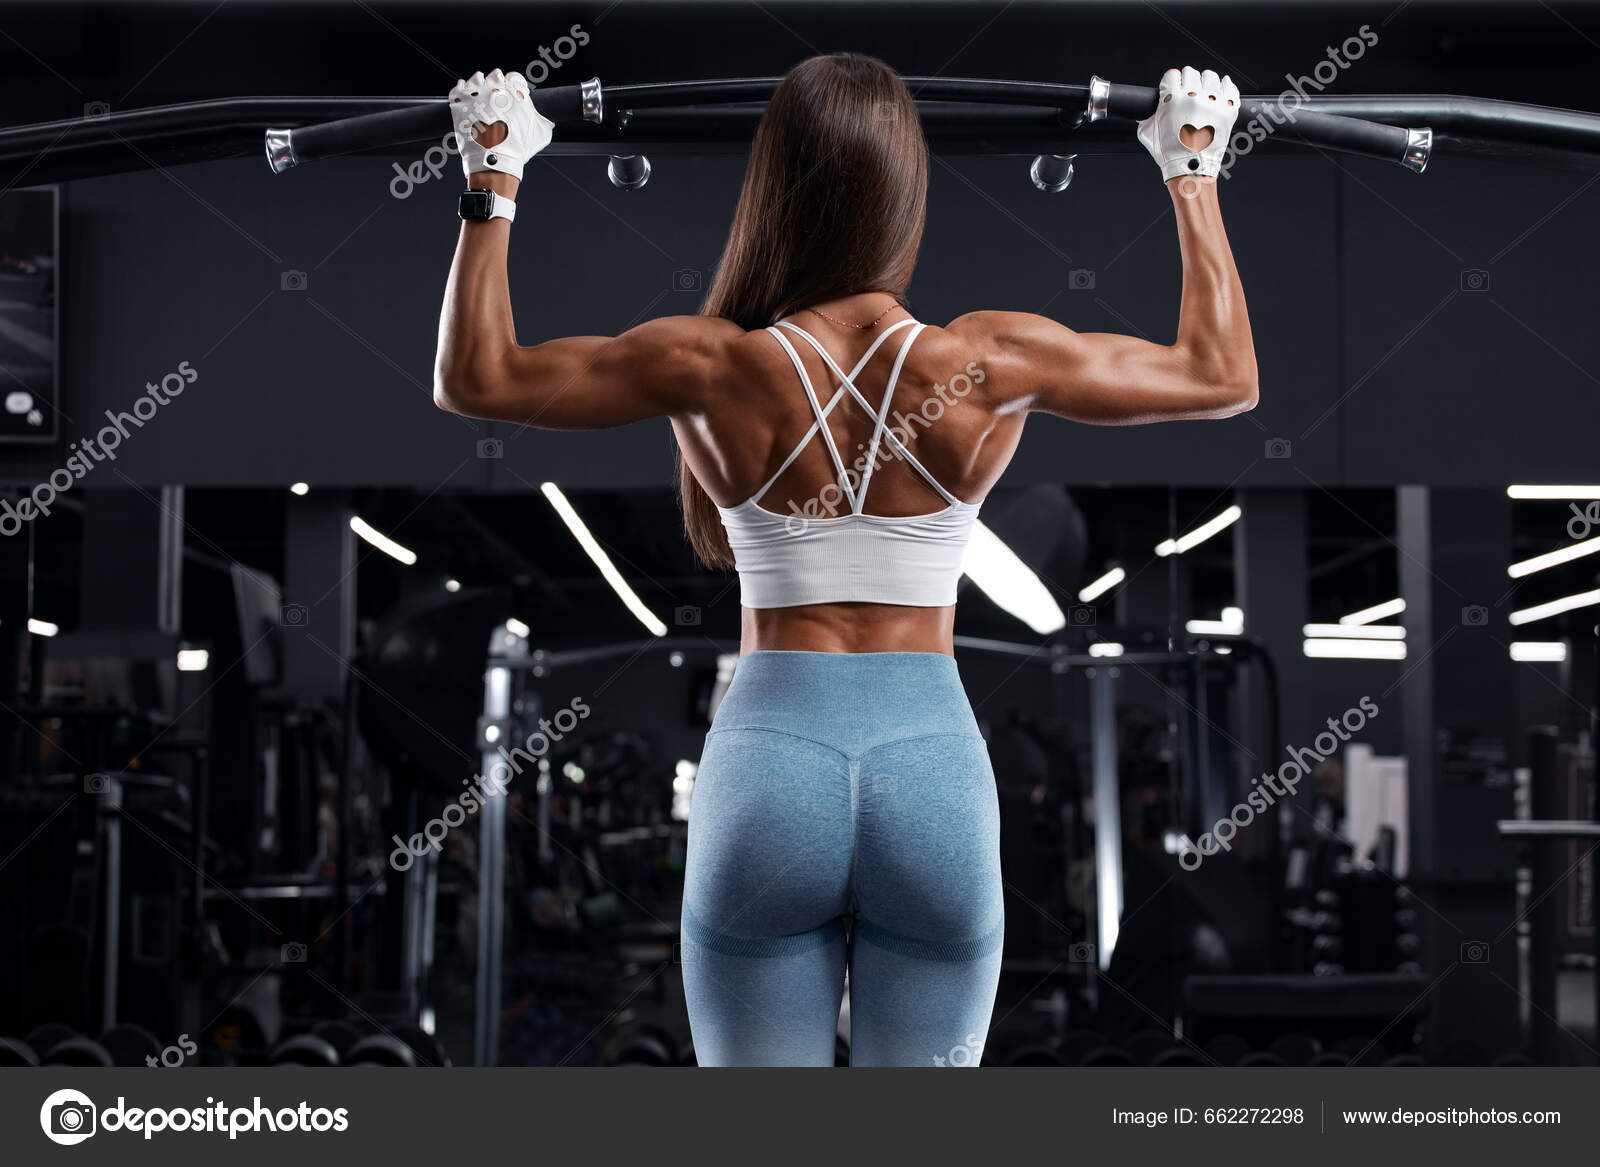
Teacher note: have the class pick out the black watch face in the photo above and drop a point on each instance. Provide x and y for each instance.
(475, 204)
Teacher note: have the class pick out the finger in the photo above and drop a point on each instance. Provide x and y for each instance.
(1191, 81)
(1210, 83)
(1230, 92)
(1170, 81)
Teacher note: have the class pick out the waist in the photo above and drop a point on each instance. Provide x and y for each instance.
(848, 628)
(853, 701)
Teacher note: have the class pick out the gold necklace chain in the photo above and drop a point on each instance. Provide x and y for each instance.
(846, 323)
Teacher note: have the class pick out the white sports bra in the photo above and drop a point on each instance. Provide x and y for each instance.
(815, 555)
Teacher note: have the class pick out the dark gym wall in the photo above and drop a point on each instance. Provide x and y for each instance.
(1370, 338)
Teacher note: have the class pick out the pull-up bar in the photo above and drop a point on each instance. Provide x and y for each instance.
(1054, 121)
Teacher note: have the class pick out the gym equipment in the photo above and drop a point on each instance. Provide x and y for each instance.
(1178, 1056)
(16, 1053)
(306, 1049)
(46, 1037)
(1296, 1049)
(1557, 843)
(79, 1051)
(1227, 1048)
(130, 1045)
(959, 115)
(341, 1035)
(1108, 1055)
(235, 1037)
(382, 1050)
(646, 1045)
(1034, 1055)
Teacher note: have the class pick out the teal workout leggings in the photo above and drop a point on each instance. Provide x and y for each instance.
(844, 816)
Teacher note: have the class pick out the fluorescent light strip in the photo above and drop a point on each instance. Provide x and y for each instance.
(1330, 648)
(1199, 535)
(1556, 607)
(580, 532)
(381, 541)
(1105, 648)
(1357, 631)
(517, 627)
(193, 660)
(1231, 624)
(1557, 493)
(1102, 585)
(42, 627)
(1553, 558)
(300, 488)
(1009, 582)
(1377, 612)
(1539, 650)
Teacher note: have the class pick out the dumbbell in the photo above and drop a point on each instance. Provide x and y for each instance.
(46, 1037)
(341, 1035)
(1178, 1056)
(645, 1045)
(130, 1045)
(79, 1051)
(1261, 1059)
(1296, 1049)
(1034, 1055)
(16, 1053)
(382, 1050)
(306, 1049)
(1226, 1049)
(1146, 1044)
(1108, 1055)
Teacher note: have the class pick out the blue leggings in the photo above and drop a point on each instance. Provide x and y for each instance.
(844, 816)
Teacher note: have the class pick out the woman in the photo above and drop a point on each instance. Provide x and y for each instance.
(835, 451)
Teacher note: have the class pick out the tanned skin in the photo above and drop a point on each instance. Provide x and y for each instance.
(737, 408)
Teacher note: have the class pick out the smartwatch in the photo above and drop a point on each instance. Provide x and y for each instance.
(479, 206)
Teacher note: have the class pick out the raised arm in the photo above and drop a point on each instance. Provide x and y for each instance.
(579, 382)
(1209, 370)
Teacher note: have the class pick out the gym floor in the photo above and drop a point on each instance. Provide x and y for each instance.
(253, 654)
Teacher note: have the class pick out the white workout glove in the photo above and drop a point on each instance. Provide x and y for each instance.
(1194, 99)
(479, 102)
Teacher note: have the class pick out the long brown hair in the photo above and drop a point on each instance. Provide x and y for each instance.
(833, 204)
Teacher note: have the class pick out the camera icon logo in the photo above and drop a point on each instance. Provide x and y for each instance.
(685, 951)
(687, 279)
(885, 111)
(1474, 279)
(97, 784)
(1081, 953)
(292, 281)
(293, 616)
(1475, 616)
(67, 1117)
(491, 449)
(1474, 952)
(686, 616)
(1081, 615)
(96, 109)
(1279, 448)
(1080, 279)
(292, 953)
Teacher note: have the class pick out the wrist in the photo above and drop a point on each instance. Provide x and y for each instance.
(504, 185)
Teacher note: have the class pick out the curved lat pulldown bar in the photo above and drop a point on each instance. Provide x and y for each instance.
(1052, 121)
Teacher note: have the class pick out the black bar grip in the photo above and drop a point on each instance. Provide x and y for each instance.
(1349, 135)
(415, 123)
